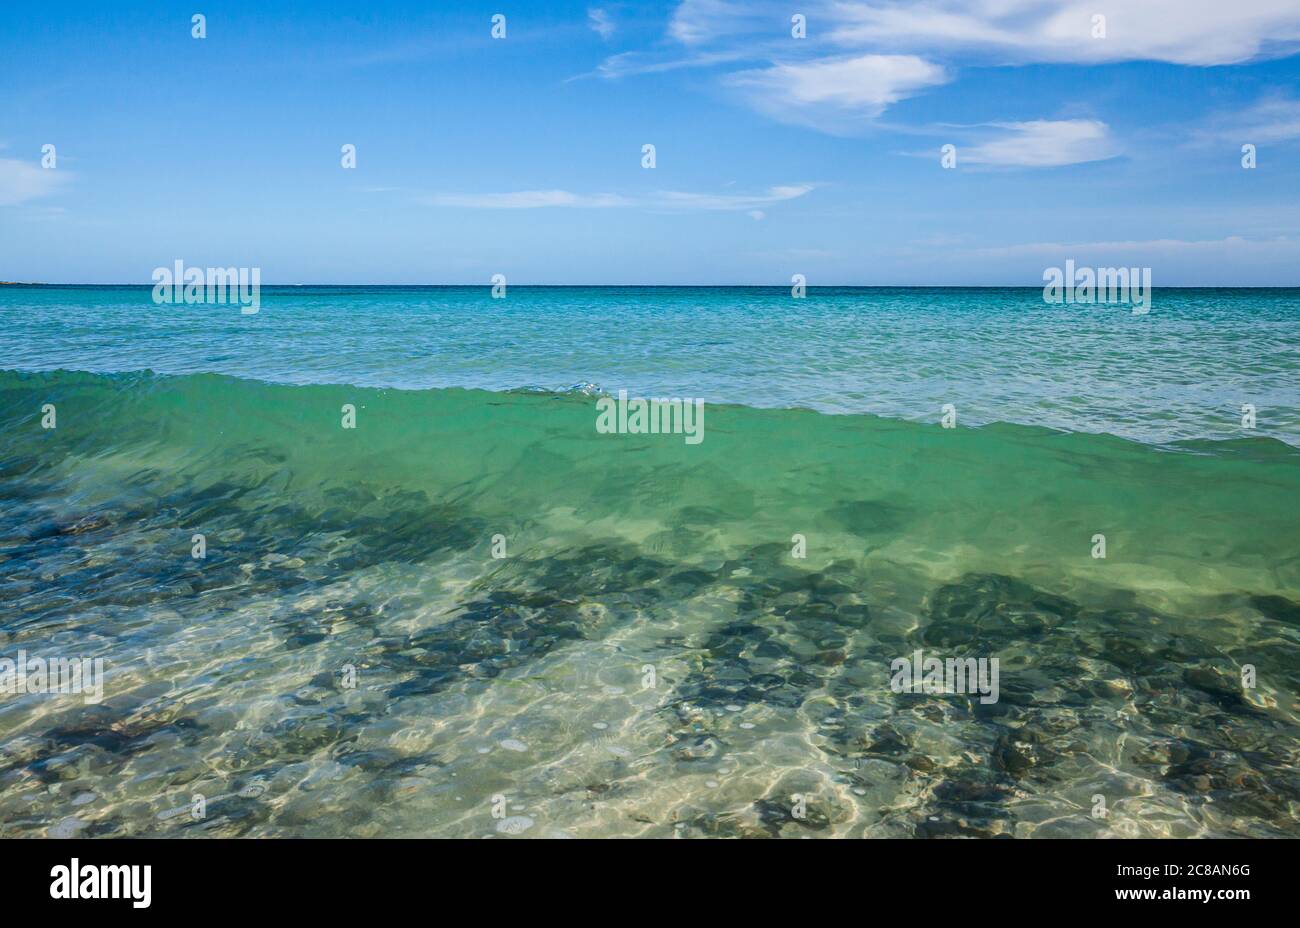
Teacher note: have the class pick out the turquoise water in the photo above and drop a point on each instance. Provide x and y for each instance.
(554, 631)
(999, 355)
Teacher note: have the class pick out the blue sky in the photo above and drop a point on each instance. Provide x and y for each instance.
(774, 155)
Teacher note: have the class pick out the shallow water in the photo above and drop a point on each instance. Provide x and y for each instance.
(648, 658)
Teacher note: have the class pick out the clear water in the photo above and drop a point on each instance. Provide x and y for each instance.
(649, 658)
(1184, 370)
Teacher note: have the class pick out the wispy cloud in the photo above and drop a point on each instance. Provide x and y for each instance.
(835, 93)
(600, 22)
(1192, 32)
(703, 34)
(1042, 143)
(630, 64)
(1273, 119)
(670, 200)
(21, 181)
(862, 56)
(695, 22)
(713, 201)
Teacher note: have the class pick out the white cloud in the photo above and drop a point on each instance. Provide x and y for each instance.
(1043, 143)
(1274, 119)
(1192, 32)
(711, 201)
(627, 64)
(21, 181)
(664, 200)
(695, 22)
(600, 22)
(836, 92)
(887, 50)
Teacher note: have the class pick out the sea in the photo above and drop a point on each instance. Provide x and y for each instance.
(363, 563)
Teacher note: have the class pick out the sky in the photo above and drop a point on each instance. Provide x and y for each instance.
(1110, 143)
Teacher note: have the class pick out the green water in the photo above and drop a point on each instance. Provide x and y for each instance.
(648, 658)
